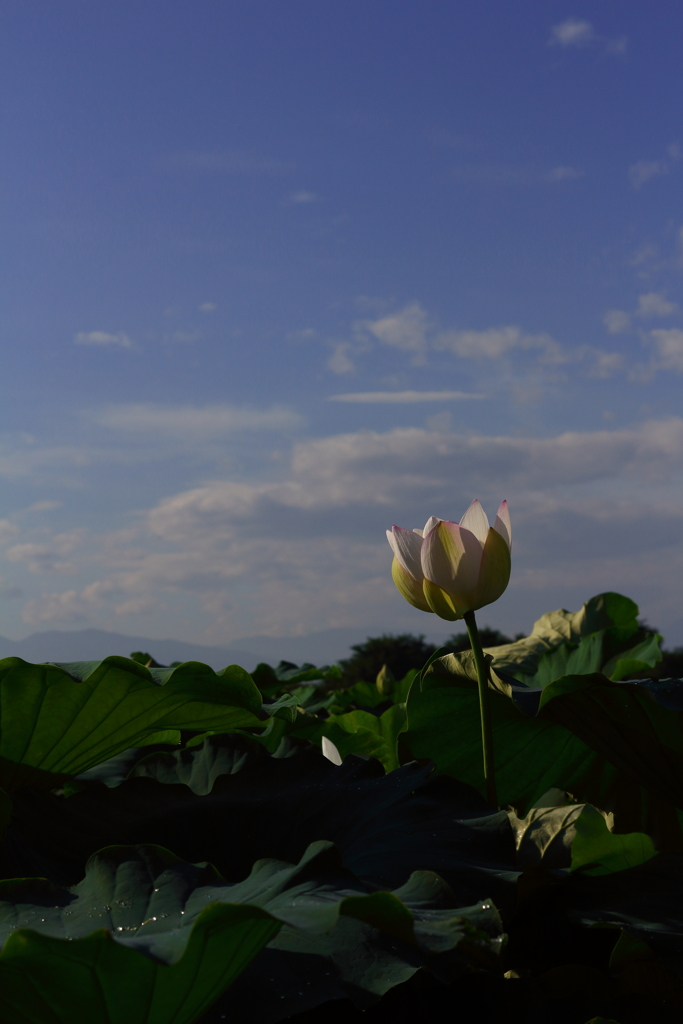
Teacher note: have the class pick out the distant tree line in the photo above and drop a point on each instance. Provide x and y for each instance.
(404, 651)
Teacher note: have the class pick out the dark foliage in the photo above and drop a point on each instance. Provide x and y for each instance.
(401, 653)
(670, 667)
(489, 638)
(405, 651)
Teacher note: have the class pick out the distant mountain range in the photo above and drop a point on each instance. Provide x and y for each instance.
(323, 647)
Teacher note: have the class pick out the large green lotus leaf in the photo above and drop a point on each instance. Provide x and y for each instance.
(137, 942)
(362, 733)
(360, 695)
(386, 826)
(199, 765)
(605, 651)
(609, 744)
(51, 981)
(286, 675)
(165, 913)
(357, 964)
(65, 719)
(607, 611)
(573, 837)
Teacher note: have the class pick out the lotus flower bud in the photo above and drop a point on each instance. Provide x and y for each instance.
(462, 566)
(466, 565)
(385, 681)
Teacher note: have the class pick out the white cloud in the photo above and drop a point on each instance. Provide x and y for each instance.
(306, 334)
(440, 422)
(572, 32)
(578, 33)
(564, 173)
(600, 363)
(192, 423)
(8, 531)
(618, 45)
(511, 175)
(101, 338)
(668, 346)
(208, 307)
(8, 591)
(410, 331)
(44, 506)
(592, 511)
(303, 197)
(644, 255)
(403, 396)
(405, 330)
(655, 304)
(48, 557)
(617, 321)
(496, 342)
(340, 362)
(185, 337)
(645, 170)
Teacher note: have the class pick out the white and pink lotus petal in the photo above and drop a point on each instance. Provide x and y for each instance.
(407, 546)
(331, 752)
(430, 524)
(453, 568)
(476, 520)
(502, 525)
(494, 574)
(451, 557)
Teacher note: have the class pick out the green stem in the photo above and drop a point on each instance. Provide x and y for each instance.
(484, 707)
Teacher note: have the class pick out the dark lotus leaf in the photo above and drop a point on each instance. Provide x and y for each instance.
(142, 906)
(612, 744)
(386, 826)
(360, 964)
(646, 900)
(114, 770)
(198, 767)
(66, 719)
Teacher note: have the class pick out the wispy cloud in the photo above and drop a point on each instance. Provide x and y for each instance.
(668, 345)
(617, 321)
(405, 330)
(410, 330)
(645, 170)
(208, 307)
(651, 304)
(500, 175)
(564, 173)
(578, 33)
(340, 361)
(47, 505)
(303, 197)
(572, 32)
(102, 339)
(655, 304)
(496, 342)
(308, 549)
(402, 397)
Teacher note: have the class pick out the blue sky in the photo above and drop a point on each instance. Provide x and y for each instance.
(280, 274)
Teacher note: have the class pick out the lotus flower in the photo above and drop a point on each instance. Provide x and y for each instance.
(453, 568)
